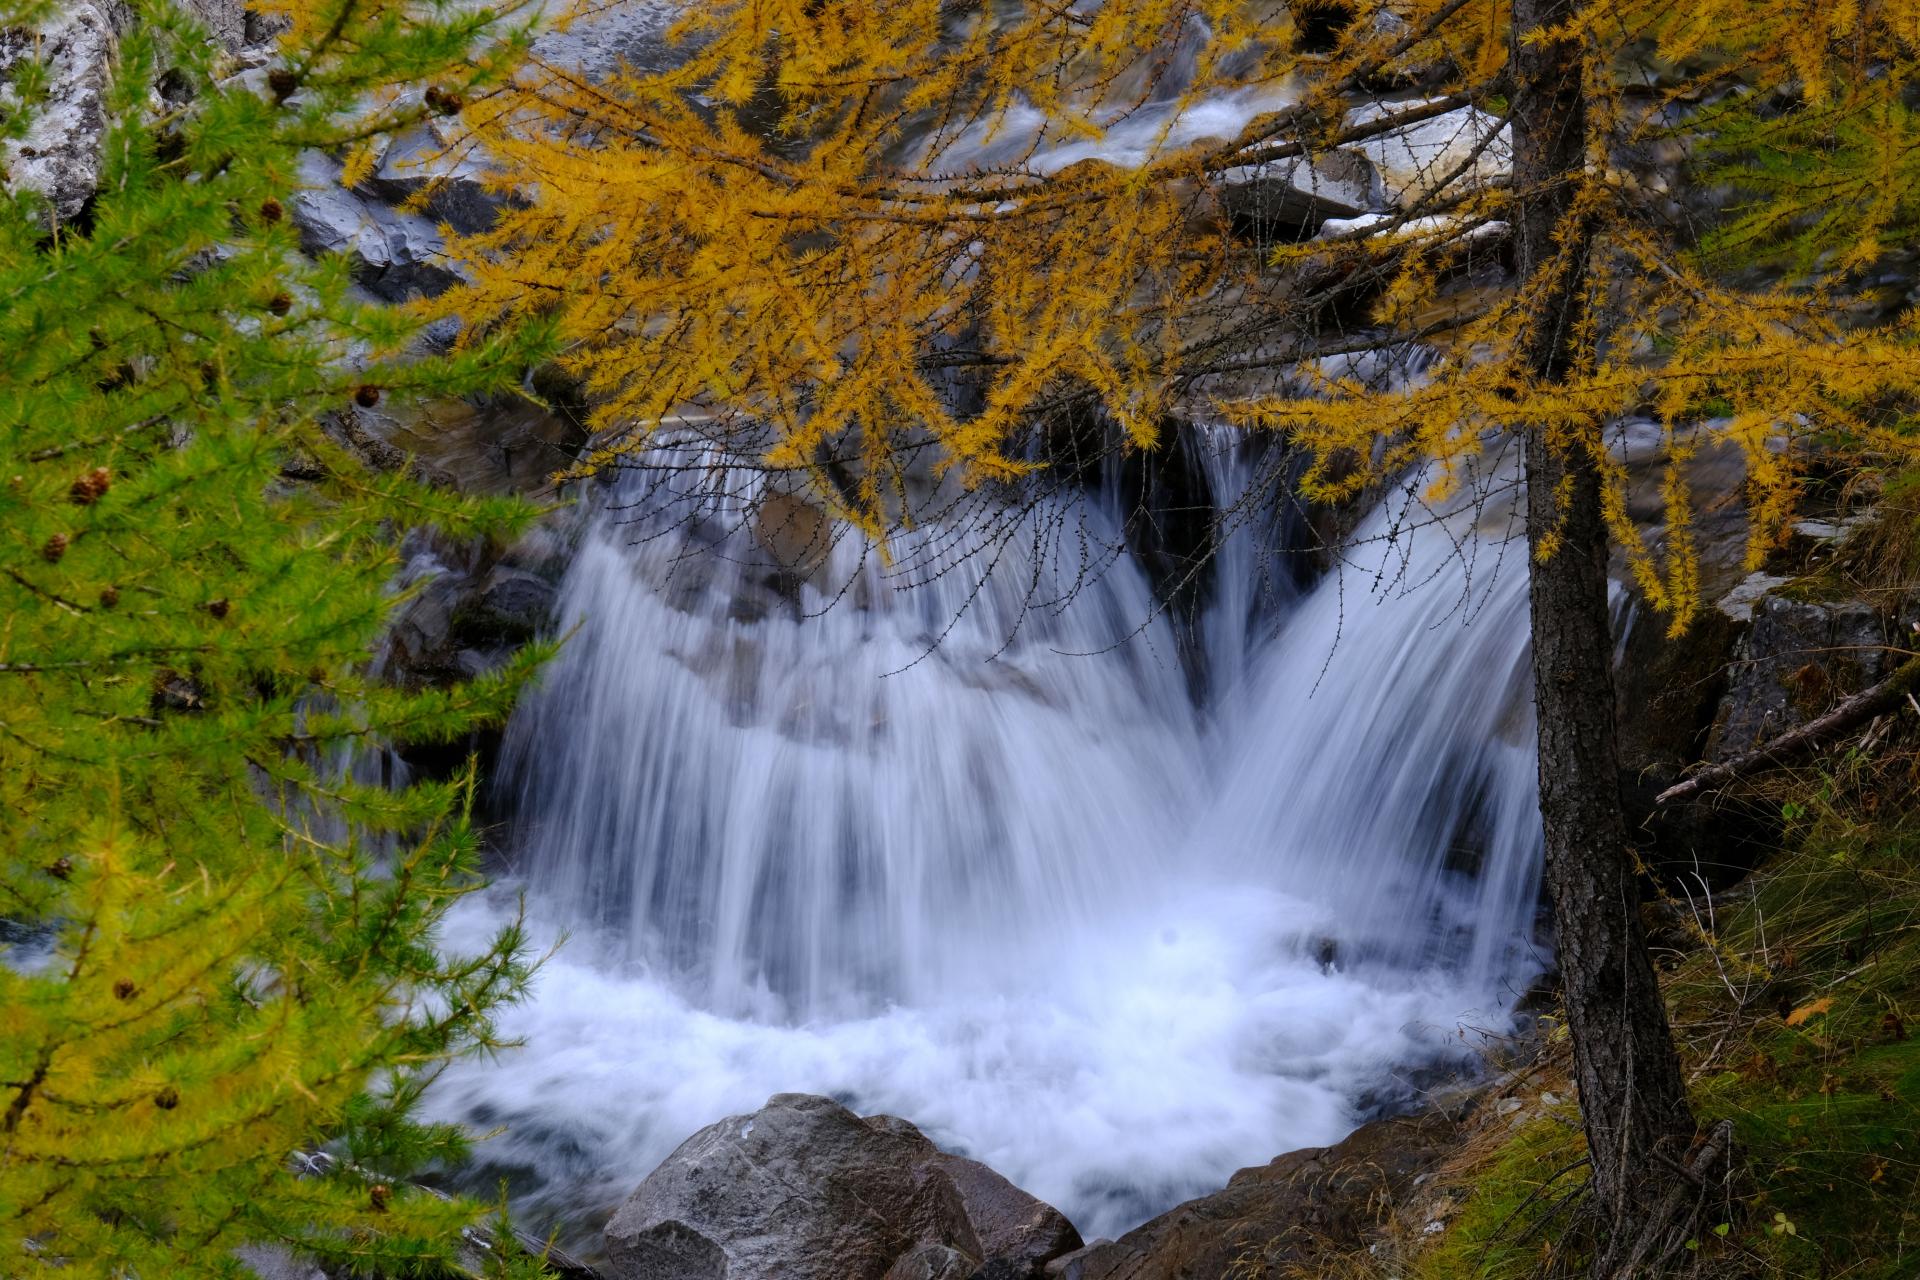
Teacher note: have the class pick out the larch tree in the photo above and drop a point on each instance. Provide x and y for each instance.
(218, 950)
(800, 235)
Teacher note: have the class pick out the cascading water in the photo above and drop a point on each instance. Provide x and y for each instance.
(948, 837)
(804, 815)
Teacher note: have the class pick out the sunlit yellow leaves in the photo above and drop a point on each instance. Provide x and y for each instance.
(358, 165)
(1809, 1011)
(699, 261)
(826, 214)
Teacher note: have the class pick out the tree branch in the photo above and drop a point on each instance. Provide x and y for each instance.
(1857, 710)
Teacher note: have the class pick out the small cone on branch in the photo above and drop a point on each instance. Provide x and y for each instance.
(90, 487)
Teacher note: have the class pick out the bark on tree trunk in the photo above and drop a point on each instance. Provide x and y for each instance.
(1632, 1095)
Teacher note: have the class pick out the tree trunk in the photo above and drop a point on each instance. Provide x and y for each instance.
(1632, 1095)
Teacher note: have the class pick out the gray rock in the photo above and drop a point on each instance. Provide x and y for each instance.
(438, 164)
(225, 21)
(1799, 659)
(670, 1250)
(348, 428)
(463, 621)
(1002, 1269)
(419, 643)
(1071, 1266)
(804, 1189)
(1012, 1226)
(59, 156)
(607, 37)
(395, 255)
(1738, 603)
(1292, 199)
(1831, 530)
(271, 1262)
(933, 1262)
(1282, 1218)
(1412, 70)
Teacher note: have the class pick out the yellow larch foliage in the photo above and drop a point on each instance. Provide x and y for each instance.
(826, 212)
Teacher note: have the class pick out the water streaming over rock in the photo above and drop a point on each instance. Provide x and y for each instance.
(950, 836)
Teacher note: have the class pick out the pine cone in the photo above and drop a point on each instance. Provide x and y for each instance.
(89, 487)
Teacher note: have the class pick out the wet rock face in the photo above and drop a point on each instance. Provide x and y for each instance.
(469, 613)
(1797, 661)
(1279, 1218)
(804, 1189)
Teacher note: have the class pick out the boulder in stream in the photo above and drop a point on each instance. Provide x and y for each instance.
(1292, 199)
(804, 1189)
(1465, 146)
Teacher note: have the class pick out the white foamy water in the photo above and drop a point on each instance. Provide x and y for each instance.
(1014, 886)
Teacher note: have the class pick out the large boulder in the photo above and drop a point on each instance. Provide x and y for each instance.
(1280, 1218)
(510, 607)
(59, 155)
(804, 1189)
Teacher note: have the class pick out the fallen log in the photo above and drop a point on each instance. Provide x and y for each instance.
(1850, 714)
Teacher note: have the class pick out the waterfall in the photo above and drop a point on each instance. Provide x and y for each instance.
(946, 834)
(813, 797)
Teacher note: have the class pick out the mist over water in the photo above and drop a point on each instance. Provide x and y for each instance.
(952, 837)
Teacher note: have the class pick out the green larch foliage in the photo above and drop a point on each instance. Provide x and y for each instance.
(222, 948)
